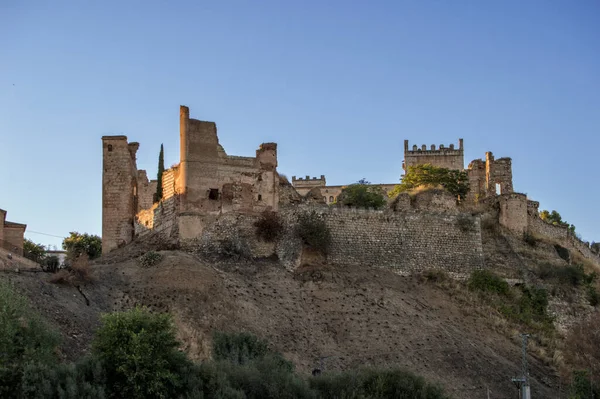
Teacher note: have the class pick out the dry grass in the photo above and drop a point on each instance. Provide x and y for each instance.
(79, 272)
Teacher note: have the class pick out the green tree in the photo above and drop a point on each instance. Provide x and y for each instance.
(362, 194)
(455, 181)
(25, 341)
(556, 219)
(139, 355)
(33, 251)
(78, 244)
(161, 170)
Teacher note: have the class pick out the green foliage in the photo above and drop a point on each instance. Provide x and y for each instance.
(268, 226)
(138, 352)
(313, 231)
(161, 169)
(33, 251)
(582, 386)
(69, 381)
(150, 259)
(51, 263)
(529, 239)
(455, 181)
(238, 348)
(592, 295)
(555, 219)
(79, 244)
(375, 383)
(25, 341)
(486, 281)
(362, 195)
(571, 275)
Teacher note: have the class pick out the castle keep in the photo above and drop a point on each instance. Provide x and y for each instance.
(205, 182)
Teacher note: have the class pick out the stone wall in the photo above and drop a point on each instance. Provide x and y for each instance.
(405, 242)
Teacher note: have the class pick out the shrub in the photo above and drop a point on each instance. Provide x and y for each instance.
(150, 259)
(486, 281)
(268, 226)
(465, 223)
(313, 231)
(138, 352)
(33, 251)
(375, 383)
(593, 296)
(238, 348)
(68, 381)
(78, 272)
(50, 264)
(234, 246)
(362, 195)
(571, 275)
(529, 239)
(25, 340)
(455, 181)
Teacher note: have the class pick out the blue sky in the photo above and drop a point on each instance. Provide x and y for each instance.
(337, 84)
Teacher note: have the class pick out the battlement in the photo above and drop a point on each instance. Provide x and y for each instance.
(441, 149)
(441, 156)
(309, 179)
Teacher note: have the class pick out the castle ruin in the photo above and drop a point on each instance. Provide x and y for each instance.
(205, 182)
(209, 195)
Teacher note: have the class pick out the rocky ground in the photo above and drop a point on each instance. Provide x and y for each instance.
(335, 316)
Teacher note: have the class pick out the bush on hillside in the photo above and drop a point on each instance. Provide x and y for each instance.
(455, 181)
(149, 259)
(486, 281)
(138, 352)
(313, 231)
(268, 226)
(25, 341)
(375, 383)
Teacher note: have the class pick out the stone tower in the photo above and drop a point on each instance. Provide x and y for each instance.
(119, 191)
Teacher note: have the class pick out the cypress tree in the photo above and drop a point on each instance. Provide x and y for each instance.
(161, 169)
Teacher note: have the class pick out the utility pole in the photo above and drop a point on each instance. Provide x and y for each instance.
(522, 382)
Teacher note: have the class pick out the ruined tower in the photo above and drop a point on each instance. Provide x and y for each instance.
(119, 191)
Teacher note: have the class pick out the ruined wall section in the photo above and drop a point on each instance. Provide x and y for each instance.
(14, 237)
(119, 191)
(161, 217)
(146, 190)
(406, 242)
(484, 176)
(443, 157)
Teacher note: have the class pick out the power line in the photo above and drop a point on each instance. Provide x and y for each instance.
(44, 234)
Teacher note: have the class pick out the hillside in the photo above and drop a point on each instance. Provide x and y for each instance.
(349, 315)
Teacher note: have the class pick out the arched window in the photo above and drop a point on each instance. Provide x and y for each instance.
(331, 198)
(259, 197)
(109, 147)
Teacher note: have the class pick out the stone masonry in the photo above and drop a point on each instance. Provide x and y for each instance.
(206, 181)
(11, 234)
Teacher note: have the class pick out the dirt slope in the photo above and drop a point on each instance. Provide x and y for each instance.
(352, 316)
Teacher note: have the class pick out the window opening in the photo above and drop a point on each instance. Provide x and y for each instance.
(498, 189)
(213, 194)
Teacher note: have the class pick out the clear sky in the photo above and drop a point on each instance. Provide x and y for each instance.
(337, 84)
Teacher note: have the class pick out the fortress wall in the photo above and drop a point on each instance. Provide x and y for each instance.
(406, 242)
(403, 241)
(563, 236)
